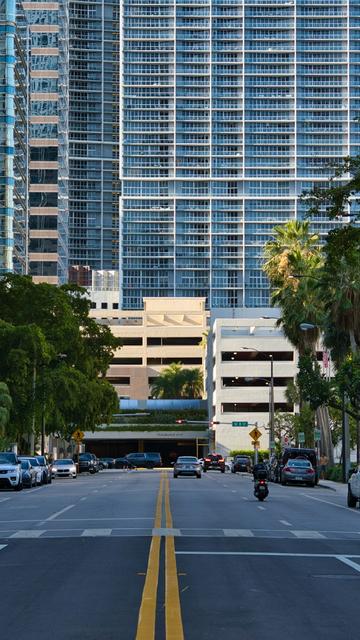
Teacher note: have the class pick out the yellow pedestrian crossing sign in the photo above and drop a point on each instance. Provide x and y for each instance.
(78, 435)
(255, 434)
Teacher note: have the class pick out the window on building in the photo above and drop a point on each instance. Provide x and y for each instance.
(104, 305)
(115, 305)
(237, 381)
(126, 361)
(123, 380)
(253, 356)
(254, 407)
(130, 342)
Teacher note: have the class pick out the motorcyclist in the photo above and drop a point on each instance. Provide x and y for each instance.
(260, 471)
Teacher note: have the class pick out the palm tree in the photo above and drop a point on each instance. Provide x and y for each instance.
(193, 383)
(5, 406)
(176, 382)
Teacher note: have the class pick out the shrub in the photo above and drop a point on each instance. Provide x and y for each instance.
(262, 453)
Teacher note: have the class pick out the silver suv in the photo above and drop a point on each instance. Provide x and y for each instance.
(354, 488)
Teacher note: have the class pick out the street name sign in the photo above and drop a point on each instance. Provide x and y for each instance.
(317, 434)
(301, 437)
(239, 424)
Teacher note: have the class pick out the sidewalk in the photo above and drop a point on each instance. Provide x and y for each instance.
(339, 487)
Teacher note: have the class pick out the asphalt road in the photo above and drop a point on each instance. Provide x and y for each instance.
(125, 555)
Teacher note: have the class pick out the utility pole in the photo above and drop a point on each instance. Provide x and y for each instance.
(345, 441)
(272, 412)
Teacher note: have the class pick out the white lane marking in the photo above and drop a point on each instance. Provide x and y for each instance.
(30, 533)
(340, 506)
(58, 513)
(101, 519)
(4, 499)
(262, 508)
(233, 491)
(311, 535)
(238, 533)
(2, 546)
(244, 498)
(260, 554)
(93, 533)
(96, 491)
(286, 523)
(83, 498)
(350, 563)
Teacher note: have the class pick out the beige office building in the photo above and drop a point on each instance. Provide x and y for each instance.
(167, 330)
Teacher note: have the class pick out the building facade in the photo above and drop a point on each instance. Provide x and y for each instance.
(166, 331)
(49, 47)
(239, 378)
(229, 109)
(14, 138)
(94, 134)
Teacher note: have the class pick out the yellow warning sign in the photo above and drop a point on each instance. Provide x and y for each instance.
(255, 434)
(78, 435)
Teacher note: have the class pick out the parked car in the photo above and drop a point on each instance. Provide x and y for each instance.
(187, 466)
(36, 465)
(214, 461)
(241, 464)
(63, 468)
(154, 457)
(307, 454)
(46, 467)
(10, 471)
(123, 463)
(298, 470)
(109, 461)
(145, 460)
(88, 462)
(353, 496)
(102, 464)
(28, 474)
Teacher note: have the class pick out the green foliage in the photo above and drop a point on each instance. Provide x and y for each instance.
(5, 407)
(176, 382)
(305, 423)
(314, 386)
(54, 358)
(334, 473)
(337, 197)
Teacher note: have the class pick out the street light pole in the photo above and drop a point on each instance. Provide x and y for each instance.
(272, 407)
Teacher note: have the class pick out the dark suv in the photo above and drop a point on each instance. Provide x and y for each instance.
(146, 460)
(214, 461)
(87, 462)
(241, 463)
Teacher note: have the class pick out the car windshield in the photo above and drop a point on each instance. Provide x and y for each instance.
(299, 463)
(63, 462)
(34, 462)
(8, 457)
(25, 464)
(187, 459)
(41, 460)
(4, 461)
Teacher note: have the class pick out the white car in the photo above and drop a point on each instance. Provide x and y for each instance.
(63, 468)
(38, 468)
(354, 488)
(10, 474)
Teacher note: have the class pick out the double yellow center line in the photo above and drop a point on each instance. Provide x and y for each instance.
(147, 614)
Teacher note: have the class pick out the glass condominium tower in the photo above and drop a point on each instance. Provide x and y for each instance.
(229, 110)
(13, 138)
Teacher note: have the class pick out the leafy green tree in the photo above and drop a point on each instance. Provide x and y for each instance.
(5, 406)
(54, 357)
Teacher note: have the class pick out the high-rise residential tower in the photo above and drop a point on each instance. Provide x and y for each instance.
(94, 134)
(13, 138)
(229, 109)
(48, 247)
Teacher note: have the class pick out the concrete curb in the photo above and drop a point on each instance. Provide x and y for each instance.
(326, 486)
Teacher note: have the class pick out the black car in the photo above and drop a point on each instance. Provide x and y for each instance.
(107, 463)
(87, 462)
(145, 460)
(214, 461)
(123, 463)
(241, 463)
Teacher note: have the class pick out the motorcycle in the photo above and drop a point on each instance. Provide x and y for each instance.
(261, 490)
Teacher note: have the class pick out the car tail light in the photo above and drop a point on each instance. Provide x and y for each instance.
(309, 471)
(288, 469)
(262, 482)
(221, 460)
(207, 460)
